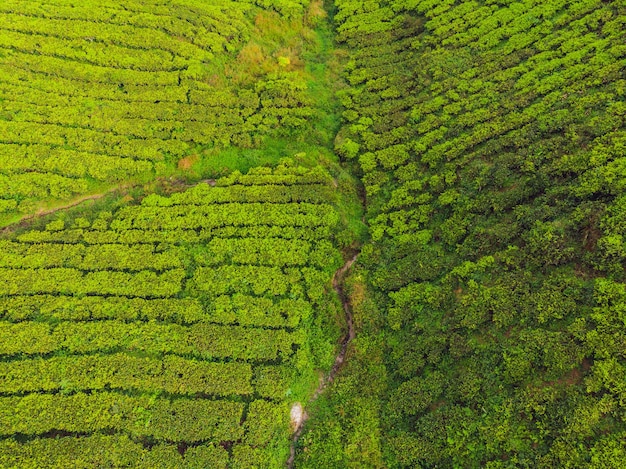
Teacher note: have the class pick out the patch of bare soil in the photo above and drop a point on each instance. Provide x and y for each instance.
(186, 163)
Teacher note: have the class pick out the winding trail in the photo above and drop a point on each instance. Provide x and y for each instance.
(338, 280)
(73, 203)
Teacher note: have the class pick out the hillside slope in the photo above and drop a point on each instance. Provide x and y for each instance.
(173, 326)
(104, 93)
(491, 141)
(175, 333)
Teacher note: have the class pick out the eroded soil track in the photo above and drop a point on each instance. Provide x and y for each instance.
(338, 283)
(71, 204)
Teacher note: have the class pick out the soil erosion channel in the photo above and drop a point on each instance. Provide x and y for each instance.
(298, 415)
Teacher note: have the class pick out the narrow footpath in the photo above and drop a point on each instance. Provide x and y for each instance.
(338, 281)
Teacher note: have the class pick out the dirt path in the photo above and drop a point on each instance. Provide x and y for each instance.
(73, 203)
(298, 414)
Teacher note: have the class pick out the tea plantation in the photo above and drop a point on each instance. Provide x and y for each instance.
(490, 138)
(184, 185)
(173, 333)
(100, 93)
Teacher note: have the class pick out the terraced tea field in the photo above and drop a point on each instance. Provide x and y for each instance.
(312, 234)
(173, 333)
(99, 93)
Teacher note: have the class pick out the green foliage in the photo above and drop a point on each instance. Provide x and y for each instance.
(490, 142)
(489, 299)
(172, 345)
(176, 331)
(177, 420)
(171, 374)
(344, 429)
(109, 451)
(98, 95)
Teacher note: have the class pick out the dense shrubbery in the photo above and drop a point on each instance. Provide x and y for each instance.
(490, 136)
(158, 347)
(106, 451)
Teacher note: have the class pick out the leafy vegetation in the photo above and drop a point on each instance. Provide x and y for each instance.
(490, 139)
(100, 94)
(172, 324)
(184, 351)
